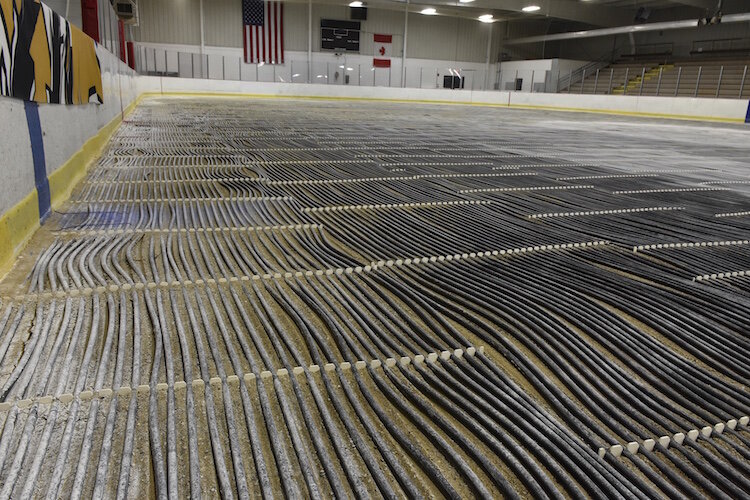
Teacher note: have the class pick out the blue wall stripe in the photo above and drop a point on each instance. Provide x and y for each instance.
(37, 152)
(747, 116)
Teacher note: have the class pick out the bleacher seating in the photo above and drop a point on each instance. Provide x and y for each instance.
(625, 78)
(731, 72)
(610, 78)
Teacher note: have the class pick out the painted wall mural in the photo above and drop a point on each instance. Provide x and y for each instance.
(43, 58)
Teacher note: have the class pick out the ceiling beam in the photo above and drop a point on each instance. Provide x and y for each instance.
(571, 10)
(622, 30)
(702, 4)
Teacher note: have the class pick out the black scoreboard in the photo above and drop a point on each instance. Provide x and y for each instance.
(339, 36)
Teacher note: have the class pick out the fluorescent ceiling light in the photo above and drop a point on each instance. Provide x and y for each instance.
(350, 69)
(531, 8)
(465, 1)
(486, 18)
(429, 11)
(356, 3)
(295, 75)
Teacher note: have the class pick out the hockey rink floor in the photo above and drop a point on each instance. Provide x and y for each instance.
(257, 298)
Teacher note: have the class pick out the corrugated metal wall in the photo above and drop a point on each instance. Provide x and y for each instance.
(222, 22)
(386, 22)
(295, 27)
(73, 14)
(430, 37)
(449, 38)
(170, 21)
(109, 36)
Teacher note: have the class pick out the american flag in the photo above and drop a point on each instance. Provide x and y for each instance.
(263, 24)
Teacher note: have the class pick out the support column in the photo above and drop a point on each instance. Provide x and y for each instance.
(131, 49)
(406, 37)
(203, 41)
(121, 36)
(309, 41)
(489, 55)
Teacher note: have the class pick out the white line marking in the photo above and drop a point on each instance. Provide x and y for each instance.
(718, 276)
(603, 212)
(670, 190)
(678, 438)
(725, 182)
(642, 173)
(532, 188)
(372, 266)
(165, 200)
(248, 377)
(395, 178)
(732, 214)
(114, 232)
(395, 205)
(691, 244)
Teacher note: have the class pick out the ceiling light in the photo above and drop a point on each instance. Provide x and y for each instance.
(465, 1)
(356, 3)
(429, 11)
(486, 18)
(531, 8)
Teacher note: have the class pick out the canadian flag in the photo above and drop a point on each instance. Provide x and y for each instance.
(382, 44)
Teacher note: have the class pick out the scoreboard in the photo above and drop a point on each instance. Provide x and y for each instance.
(339, 36)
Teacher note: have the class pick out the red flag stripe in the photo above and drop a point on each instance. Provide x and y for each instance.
(382, 38)
(276, 30)
(281, 30)
(258, 43)
(246, 45)
(266, 38)
(271, 23)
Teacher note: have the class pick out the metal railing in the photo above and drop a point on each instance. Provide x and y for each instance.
(161, 62)
(730, 81)
(579, 75)
(687, 80)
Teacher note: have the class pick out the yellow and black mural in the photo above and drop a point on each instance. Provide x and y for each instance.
(44, 58)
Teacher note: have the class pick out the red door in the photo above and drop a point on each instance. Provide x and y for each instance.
(90, 21)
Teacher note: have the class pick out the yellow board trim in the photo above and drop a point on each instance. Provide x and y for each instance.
(642, 114)
(315, 97)
(19, 223)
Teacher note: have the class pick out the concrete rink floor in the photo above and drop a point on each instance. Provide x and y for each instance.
(309, 298)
